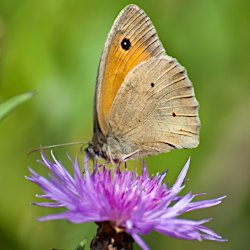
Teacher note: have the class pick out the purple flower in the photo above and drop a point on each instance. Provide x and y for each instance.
(130, 202)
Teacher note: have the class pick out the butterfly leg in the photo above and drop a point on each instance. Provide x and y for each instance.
(126, 157)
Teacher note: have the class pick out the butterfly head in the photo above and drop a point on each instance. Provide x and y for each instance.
(95, 151)
(97, 147)
(109, 148)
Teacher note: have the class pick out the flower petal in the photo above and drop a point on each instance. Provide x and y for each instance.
(138, 204)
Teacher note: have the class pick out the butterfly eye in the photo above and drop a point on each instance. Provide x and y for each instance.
(126, 44)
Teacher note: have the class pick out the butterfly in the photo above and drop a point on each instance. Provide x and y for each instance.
(144, 102)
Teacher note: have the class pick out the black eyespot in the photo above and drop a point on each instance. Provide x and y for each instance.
(152, 84)
(173, 114)
(126, 44)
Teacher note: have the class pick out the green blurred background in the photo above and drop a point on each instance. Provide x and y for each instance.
(53, 47)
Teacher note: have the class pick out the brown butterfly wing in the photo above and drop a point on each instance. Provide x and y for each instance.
(155, 110)
(132, 40)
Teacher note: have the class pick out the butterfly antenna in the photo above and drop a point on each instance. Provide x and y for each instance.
(55, 146)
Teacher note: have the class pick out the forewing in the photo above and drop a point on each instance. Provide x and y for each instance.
(141, 43)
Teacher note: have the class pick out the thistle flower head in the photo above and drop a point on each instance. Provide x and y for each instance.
(135, 204)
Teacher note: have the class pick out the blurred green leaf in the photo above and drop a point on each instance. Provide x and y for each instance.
(82, 245)
(8, 106)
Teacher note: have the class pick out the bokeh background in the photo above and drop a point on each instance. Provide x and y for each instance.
(53, 47)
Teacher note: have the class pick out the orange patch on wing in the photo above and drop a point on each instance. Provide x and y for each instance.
(119, 63)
